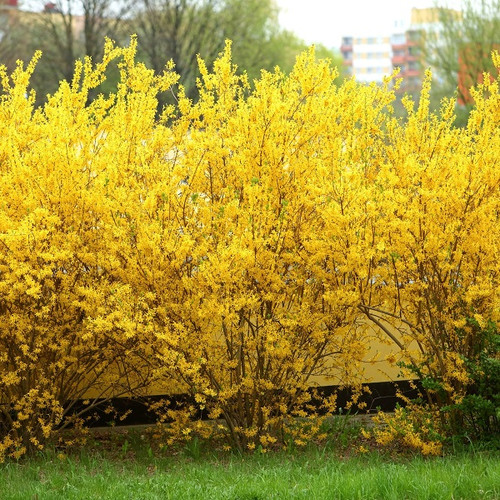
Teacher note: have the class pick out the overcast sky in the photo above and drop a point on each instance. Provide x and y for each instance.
(326, 21)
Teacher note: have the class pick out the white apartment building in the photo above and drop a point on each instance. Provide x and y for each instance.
(369, 58)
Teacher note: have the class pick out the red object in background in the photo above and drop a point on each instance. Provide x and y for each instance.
(50, 8)
(466, 80)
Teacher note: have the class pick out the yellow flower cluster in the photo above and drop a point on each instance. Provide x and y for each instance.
(413, 427)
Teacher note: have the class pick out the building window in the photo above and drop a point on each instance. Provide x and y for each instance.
(398, 39)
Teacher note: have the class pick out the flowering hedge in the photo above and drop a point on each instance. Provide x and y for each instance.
(231, 247)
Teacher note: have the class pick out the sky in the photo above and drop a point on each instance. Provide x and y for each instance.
(327, 21)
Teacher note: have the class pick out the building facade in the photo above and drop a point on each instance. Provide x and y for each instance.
(369, 59)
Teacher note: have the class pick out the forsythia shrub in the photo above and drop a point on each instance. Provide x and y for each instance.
(229, 248)
(242, 235)
(437, 278)
(415, 427)
(64, 323)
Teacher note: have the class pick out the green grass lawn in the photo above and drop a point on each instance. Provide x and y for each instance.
(312, 474)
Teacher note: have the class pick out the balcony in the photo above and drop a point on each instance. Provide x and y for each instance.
(398, 60)
(409, 73)
(399, 46)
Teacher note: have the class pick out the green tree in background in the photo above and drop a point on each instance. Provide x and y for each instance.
(259, 42)
(177, 30)
(181, 29)
(9, 36)
(460, 48)
(65, 31)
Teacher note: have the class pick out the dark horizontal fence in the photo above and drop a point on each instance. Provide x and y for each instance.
(382, 396)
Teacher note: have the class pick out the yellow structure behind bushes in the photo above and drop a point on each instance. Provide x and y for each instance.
(229, 248)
